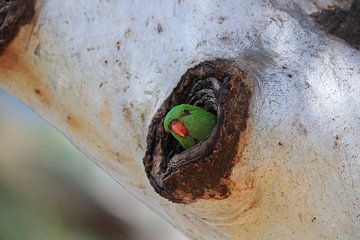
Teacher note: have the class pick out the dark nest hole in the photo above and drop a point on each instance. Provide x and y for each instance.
(342, 23)
(203, 171)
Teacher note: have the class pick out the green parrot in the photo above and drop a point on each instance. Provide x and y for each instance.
(189, 124)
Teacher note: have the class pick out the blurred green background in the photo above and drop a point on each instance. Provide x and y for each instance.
(50, 191)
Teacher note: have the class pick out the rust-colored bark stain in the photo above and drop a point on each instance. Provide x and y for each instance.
(13, 65)
(13, 61)
(105, 113)
(18, 73)
(127, 114)
(342, 23)
(74, 123)
(13, 14)
(203, 171)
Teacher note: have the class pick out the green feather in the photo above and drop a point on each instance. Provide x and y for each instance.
(197, 120)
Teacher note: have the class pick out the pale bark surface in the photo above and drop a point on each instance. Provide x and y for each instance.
(98, 70)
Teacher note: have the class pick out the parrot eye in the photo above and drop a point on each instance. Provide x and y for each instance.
(186, 112)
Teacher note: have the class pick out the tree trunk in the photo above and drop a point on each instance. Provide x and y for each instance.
(99, 70)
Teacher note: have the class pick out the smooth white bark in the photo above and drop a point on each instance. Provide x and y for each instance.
(98, 70)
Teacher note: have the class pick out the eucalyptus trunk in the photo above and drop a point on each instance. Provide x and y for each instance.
(99, 70)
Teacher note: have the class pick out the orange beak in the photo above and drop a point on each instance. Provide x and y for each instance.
(179, 128)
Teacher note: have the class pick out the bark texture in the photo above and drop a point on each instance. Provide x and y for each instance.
(203, 171)
(13, 14)
(99, 70)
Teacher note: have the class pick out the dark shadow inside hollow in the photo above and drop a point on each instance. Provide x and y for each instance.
(342, 23)
(202, 171)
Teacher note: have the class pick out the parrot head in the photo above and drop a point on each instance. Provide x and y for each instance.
(189, 124)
